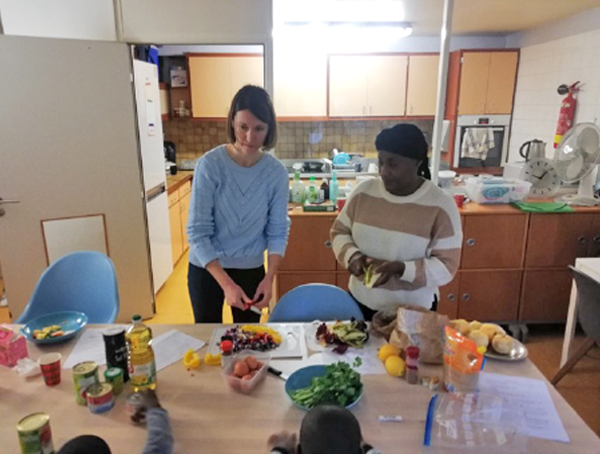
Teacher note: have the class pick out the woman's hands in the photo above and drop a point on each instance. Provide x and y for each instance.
(385, 269)
(356, 264)
(262, 297)
(236, 297)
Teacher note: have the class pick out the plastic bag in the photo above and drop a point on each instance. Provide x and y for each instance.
(384, 322)
(422, 328)
(470, 421)
(462, 362)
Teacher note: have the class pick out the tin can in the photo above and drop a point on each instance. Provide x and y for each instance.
(114, 376)
(100, 397)
(84, 374)
(35, 436)
(115, 347)
(132, 404)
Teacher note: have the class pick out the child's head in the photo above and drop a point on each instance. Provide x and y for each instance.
(329, 429)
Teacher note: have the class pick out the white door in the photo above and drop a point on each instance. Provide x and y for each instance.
(69, 149)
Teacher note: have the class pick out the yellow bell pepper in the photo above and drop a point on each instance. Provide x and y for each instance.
(191, 360)
(212, 360)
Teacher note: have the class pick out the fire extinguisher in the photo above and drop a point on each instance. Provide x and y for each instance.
(567, 110)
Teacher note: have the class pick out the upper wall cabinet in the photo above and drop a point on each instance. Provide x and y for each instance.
(367, 85)
(487, 82)
(421, 93)
(214, 80)
(300, 85)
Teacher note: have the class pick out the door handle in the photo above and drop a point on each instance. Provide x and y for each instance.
(327, 244)
(451, 297)
(466, 297)
(470, 242)
(8, 201)
(597, 239)
(580, 240)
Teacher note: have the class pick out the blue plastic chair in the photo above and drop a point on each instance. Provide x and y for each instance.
(310, 302)
(82, 281)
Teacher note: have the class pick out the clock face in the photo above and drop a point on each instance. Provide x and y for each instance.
(542, 176)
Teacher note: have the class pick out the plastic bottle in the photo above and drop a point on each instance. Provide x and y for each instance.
(412, 365)
(226, 353)
(324, 191)
(312, 191)
(297, 191)
(142, 367)
(334, 187)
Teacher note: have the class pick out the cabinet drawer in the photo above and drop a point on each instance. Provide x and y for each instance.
(493, 241)
(448, 299)
(309, 247)
(173, 198)
(186, 188)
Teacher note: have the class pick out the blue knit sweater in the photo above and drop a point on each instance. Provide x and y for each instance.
(236, 213)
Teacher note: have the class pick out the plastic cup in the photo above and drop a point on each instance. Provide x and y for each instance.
(50, 365)
(460, 200)
(340, 203)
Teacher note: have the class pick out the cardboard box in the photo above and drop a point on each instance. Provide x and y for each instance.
(12, 347)
(327, 205)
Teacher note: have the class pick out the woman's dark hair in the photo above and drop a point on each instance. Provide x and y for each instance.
(405, 139)
(258, 102)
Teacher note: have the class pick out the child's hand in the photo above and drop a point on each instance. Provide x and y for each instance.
(285, 440)
(149, 400)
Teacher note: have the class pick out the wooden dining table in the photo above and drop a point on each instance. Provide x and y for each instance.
(208, 417)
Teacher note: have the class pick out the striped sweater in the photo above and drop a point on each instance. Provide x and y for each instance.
(237, 212)
(423, 230)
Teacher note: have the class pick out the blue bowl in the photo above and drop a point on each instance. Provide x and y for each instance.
(71, 323)
(302, 378)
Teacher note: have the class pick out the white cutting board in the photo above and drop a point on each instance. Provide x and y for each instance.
(293, 341)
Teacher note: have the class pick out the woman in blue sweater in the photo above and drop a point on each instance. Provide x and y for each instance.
(238, 210)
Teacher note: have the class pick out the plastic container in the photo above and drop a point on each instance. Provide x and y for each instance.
(312, 191)
(496, 190)
(334, 187)
(241, 385)
(142, 365)
(445, 178)
(297, 189)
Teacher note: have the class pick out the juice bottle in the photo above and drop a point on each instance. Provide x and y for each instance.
(312, 191)
(142, 367)
(297, 192)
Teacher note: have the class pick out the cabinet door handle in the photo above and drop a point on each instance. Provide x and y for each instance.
(597, 239)
(328, 244)
(451, 297)
(581, 240)
(466, 297)
(471, 242)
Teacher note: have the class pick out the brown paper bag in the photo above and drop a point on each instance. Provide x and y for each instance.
(422, 328)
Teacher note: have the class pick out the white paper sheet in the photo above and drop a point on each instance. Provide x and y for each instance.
(171, 346)
(532, 399)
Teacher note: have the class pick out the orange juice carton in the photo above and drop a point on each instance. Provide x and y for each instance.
(13, 347)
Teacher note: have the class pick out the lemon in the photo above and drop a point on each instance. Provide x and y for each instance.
(394, 366)
(386, 351)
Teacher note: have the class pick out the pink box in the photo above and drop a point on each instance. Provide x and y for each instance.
(12, 347)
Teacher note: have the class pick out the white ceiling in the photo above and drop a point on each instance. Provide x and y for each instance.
(490, 16)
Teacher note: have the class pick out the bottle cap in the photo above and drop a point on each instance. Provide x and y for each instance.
(226, 346)
(334, 175)
(412, 352)
(136, 318)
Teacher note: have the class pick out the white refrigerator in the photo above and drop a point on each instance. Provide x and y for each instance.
(147, 100)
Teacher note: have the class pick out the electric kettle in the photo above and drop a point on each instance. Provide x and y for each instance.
(533, 149)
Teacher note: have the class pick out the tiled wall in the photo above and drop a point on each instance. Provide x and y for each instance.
(542, 68)
(297, 139)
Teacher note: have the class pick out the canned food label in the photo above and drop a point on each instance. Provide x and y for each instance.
(37, 442)
(143, 374)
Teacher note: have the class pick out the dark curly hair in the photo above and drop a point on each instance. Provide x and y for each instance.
(405, 139)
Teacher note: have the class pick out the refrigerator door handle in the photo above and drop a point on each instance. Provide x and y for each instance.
(153, 193)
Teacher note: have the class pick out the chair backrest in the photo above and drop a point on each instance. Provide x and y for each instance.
(82, 281)
(309, 302)
(589, 303)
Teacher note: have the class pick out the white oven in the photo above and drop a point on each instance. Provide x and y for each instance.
(481, 140)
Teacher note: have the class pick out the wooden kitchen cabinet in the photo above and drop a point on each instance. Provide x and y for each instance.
(165, 103)
(449, 298)
(421, 92)
(214, 80)
(556, 240)
(367, 85)
(493, 241)
(489, 295)
(545, 295)
(342, 279)
(594, 246)
(179, 207)
(309, 247)
(487, 82)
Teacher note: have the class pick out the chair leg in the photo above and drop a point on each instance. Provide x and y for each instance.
(586, 347)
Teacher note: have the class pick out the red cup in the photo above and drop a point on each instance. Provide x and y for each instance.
(460, 200)
(50, 365)
(340, 203)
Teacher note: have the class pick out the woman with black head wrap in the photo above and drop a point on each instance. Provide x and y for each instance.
(398, 235)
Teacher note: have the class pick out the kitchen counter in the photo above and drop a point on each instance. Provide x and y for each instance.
(174, 182)
(340, 175)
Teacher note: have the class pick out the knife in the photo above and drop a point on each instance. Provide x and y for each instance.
(277, 373)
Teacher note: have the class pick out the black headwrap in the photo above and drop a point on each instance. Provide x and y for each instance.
(406, 140)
